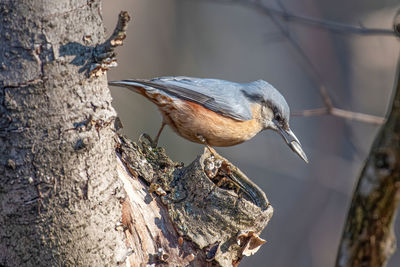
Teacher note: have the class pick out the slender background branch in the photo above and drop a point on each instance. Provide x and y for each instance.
(309, 21)
(281, 16)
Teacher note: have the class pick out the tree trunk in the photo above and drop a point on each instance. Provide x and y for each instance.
(59, 189)
(72, 191)
(368, 238)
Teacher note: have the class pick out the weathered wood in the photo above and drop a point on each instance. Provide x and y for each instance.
(196, 215)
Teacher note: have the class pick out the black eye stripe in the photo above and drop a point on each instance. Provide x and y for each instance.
(277, 112)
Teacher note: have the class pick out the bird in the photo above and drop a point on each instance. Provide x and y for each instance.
(216, 112)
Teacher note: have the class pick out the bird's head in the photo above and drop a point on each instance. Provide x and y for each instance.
(275, 113)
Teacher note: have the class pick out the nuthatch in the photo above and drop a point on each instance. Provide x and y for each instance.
(217, 112)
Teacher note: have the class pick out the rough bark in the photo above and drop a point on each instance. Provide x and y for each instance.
(72, 191)
(368, 238)
(59, 189)
(207, 213)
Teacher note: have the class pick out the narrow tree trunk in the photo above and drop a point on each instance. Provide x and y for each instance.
(59, 189)
(368, 238)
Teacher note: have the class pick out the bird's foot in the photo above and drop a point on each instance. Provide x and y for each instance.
(145, 137)
(210, 149)
(215, 154)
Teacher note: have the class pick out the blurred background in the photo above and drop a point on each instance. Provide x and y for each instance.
(240, 42)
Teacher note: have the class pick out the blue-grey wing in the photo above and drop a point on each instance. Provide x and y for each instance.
(220, 96)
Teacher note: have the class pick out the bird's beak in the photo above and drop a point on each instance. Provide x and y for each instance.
(292, 142)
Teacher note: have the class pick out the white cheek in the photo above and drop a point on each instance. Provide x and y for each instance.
(270, 125)
(267, 119)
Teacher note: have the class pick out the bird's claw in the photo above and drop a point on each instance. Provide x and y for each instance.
(145, 137)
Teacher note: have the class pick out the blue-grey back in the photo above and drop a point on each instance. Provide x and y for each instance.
(223, 97)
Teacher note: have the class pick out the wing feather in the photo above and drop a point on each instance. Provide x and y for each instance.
(223, 97)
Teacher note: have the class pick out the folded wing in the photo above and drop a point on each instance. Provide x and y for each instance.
(223, 97)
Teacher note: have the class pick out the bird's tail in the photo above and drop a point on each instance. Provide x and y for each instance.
(141, 87)
(133, 85)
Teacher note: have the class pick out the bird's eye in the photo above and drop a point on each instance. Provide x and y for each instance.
(278, 117)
